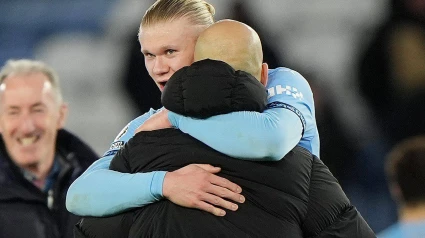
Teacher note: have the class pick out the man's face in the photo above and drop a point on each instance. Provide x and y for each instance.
(167, 47)
(30, 117)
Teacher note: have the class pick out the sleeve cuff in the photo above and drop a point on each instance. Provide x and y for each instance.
(156, 185)
(174, 118)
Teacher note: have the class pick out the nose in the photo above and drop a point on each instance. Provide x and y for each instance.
(160, 66)
(27, 125)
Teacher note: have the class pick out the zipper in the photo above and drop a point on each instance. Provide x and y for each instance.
(50, 199)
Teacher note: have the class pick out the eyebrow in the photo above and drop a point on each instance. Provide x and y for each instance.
(38, 104)
(161, 49)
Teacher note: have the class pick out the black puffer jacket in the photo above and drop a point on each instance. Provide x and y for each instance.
(23, 207)
(209, 87)
(294, 197)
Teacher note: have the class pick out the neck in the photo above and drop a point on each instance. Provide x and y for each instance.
(40, 170)
(410, 213)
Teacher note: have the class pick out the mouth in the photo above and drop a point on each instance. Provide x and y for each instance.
(29, 140)
(162, 85)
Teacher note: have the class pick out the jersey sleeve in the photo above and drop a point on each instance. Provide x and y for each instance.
(246, 135)
(269, 135)
(290, 90)
(101, 192)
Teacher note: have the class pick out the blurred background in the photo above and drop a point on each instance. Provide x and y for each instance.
(364, 59)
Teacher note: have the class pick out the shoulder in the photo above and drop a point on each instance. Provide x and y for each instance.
(72, 147)
(284, 74)
(127, 132)
(285, 81)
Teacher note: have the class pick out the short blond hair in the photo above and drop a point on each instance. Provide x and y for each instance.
(198, 12)
(27, 66)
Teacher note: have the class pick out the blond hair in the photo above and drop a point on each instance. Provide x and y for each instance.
(197, 12)
(26, 66)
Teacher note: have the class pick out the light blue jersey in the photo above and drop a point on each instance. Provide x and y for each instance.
(290, 90)
(288, 121)
(404, 230)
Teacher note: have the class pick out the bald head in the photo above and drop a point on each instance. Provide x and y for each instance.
(234, 43)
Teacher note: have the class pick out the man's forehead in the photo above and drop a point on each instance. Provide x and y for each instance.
(26, 81)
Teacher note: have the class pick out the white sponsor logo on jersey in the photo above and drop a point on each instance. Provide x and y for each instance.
(288, 90)
(117, 145)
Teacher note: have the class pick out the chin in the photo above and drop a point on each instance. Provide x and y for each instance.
(27, 161)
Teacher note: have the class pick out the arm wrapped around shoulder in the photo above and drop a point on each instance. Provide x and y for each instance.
(209, 87)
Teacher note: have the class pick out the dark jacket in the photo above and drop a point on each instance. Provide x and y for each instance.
(294, 197)
(23, 207)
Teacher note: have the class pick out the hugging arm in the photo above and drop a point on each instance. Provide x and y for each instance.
(100, 191)
(269, 135)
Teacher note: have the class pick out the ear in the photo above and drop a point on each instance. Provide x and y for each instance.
(63, 114)
(264, 73)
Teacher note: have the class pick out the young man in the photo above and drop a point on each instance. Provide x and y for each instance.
(405, 169)
(38, 159)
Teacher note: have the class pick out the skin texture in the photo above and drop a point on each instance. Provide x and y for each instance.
(234, 43)
(30, 116)
(167, 47)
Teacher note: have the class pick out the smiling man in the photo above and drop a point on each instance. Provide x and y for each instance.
(38, 159)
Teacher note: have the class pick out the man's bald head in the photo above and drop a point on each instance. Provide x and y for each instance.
(234, 43)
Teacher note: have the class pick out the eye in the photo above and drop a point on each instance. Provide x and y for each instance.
(170, 51)
(38, 110)
(12, 113)
(148, 55)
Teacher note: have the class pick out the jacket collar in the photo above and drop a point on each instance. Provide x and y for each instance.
(73, 156)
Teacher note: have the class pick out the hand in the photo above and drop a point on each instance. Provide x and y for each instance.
(197, 186)
(157, 121)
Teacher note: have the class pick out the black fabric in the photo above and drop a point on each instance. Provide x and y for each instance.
(210, 87)
(23, 207)
(294, 197)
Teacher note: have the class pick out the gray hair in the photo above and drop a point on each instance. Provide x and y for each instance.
(26, 66)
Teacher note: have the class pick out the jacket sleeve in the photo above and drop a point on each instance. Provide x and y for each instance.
(100, 191)
(350, 224)
(330, 213)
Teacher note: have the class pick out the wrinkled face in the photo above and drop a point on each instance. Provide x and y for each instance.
(30, 117)
(167, 47)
